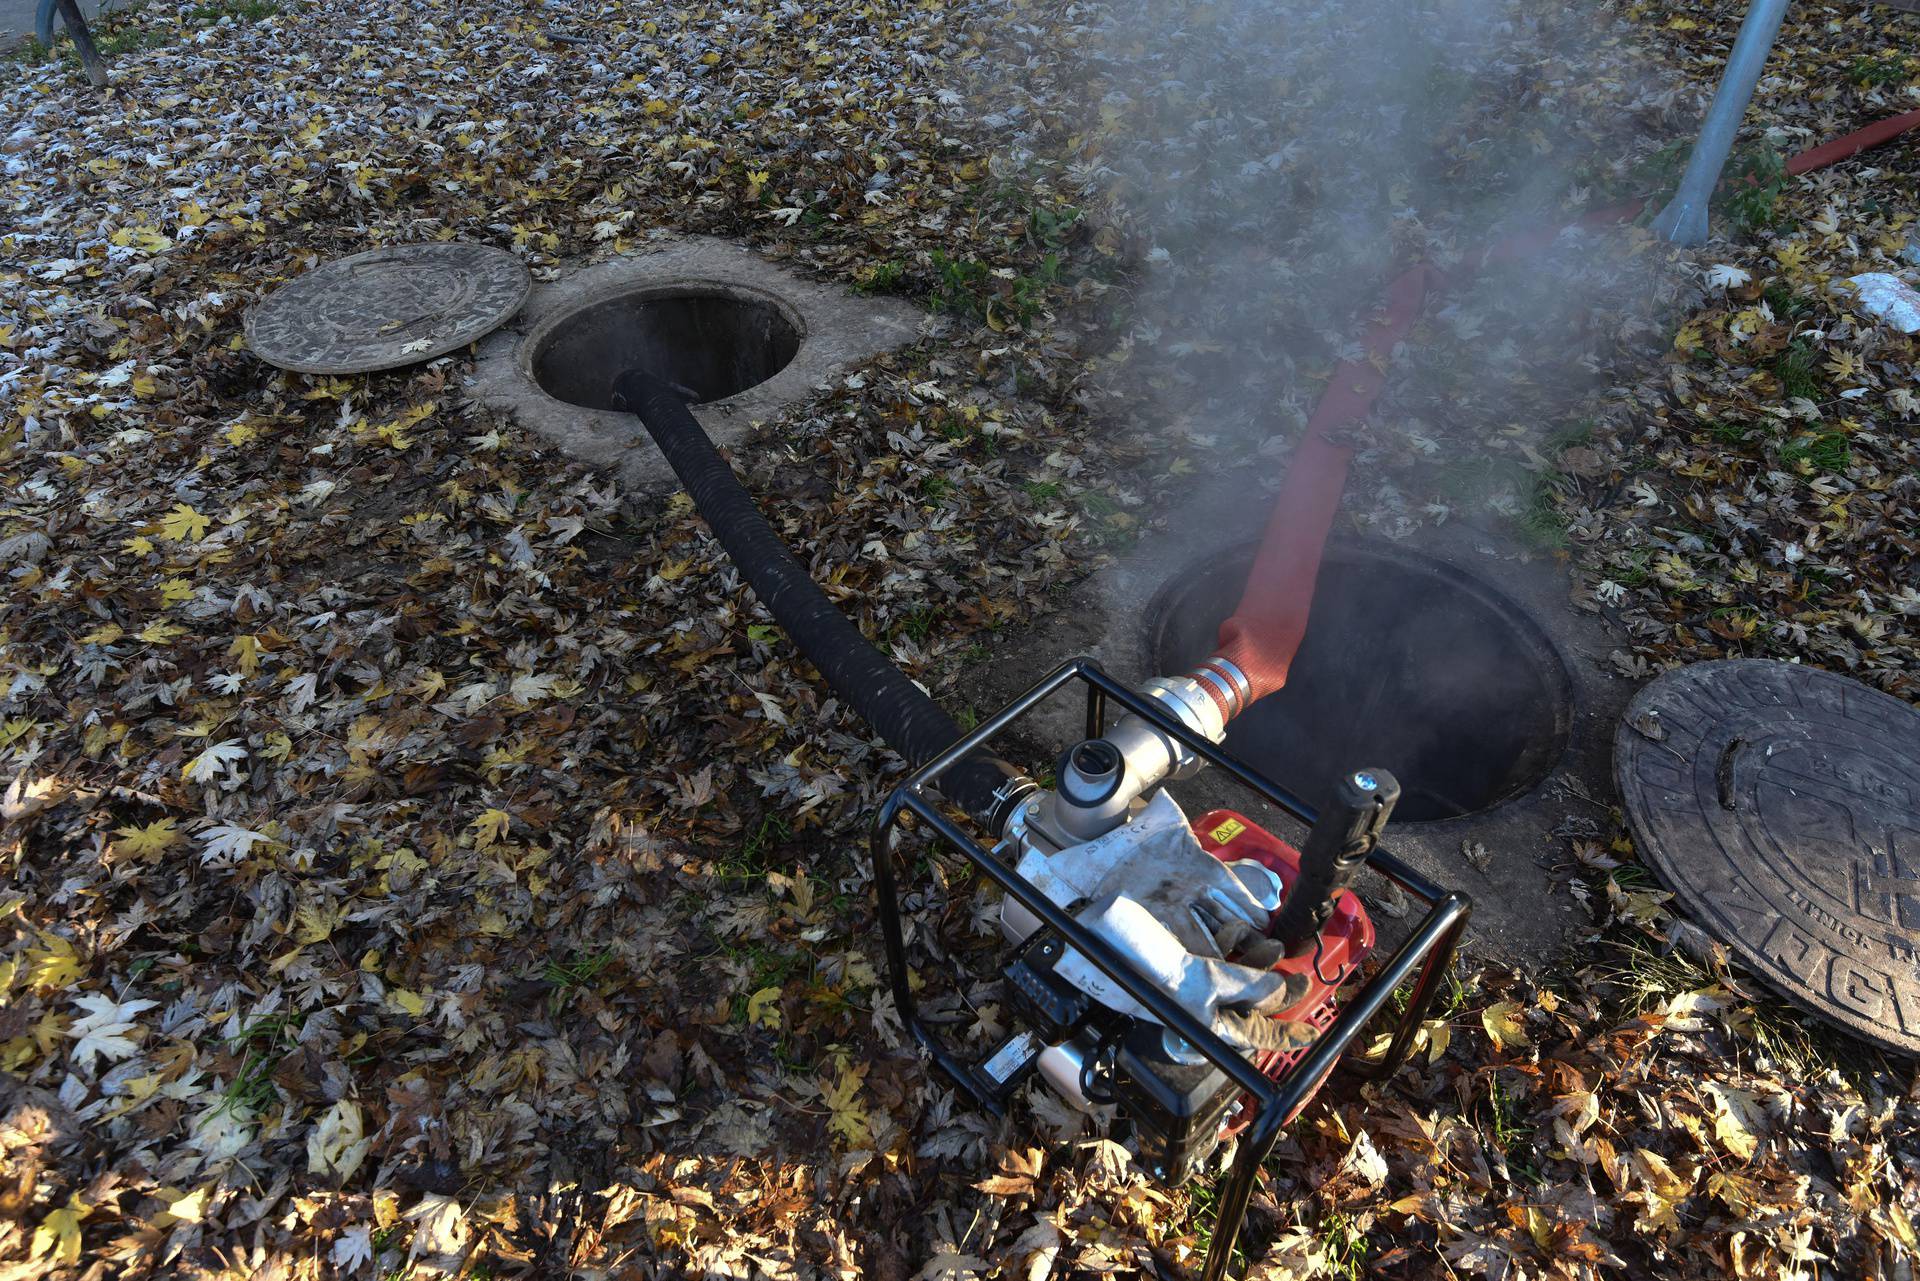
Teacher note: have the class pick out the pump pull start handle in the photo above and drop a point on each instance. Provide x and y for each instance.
(1335, 850)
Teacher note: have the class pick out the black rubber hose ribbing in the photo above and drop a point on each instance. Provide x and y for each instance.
(897, 709)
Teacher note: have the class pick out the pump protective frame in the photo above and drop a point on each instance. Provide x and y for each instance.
(1430, 948)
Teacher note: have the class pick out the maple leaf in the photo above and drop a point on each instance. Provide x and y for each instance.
(206, 767)
(531, 687)
(228, 843)
(490, 828)
(848, 1119)
(53, 965)
(183, 524)
(59, 1232)
(337, 1144)
(104, 1030)
(153, 838)
(353, 1249)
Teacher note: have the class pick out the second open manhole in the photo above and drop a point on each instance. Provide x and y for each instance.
(710, 341)
(1408, 663)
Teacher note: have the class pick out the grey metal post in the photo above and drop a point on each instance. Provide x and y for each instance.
(1684, 220)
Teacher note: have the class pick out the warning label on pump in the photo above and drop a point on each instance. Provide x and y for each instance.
(1227, 831)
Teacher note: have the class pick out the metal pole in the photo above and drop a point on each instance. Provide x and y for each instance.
(83, 42)
(1684, 220)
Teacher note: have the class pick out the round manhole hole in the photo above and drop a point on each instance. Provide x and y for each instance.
(1408, 663)
(710, 341)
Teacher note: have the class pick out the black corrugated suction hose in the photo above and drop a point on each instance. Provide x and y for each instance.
(897, 709)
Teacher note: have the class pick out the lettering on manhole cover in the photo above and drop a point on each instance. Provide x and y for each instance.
(1781, 804)
(387, 307)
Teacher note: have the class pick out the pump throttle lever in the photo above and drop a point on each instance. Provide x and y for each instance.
(1336, 848)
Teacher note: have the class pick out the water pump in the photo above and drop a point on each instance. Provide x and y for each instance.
(1200, 975)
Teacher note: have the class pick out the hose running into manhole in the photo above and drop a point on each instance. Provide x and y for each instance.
(1264, 632)
(897, 709)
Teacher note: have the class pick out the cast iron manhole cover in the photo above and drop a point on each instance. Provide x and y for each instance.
(1782, 805)
(387, 307)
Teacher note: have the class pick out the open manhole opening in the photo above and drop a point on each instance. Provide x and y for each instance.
(1408, 663)
(709, 341)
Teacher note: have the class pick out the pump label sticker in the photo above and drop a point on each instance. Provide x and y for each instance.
(1227, 831)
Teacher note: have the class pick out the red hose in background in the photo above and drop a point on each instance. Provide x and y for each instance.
(1264, 633)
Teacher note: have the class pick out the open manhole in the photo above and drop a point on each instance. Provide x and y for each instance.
(1408, 663)
(711, 341)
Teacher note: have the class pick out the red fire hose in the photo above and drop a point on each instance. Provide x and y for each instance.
(1265, 631)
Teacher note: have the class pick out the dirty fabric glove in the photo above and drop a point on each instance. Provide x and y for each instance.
(1230, 998)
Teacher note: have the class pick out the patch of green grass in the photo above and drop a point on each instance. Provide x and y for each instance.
(1828, 452)
(1729, 433)
(1510, 1130)
(1541, 521)
(881, 277)
(1785, 304)
(1578, 432)
(1052, 227)
(1797, 370)
(1749, 193)
(263, 1044)
(580, 970)
(1346, 1247)
(1043, 491)
(1750, 185)
(919, 624)
(936, 488)
(29, 52)
(244, 10)
(960, 285)
(773, 829)
(1874, 73)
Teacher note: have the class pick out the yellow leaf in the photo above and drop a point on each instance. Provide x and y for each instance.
(53, 965)
(182, 1207)
(1504, 1025)
(183, 524)
(138, 842)
(59, 1232)
(175, 590)
(490, 828)
(103, 635)
(761, 1008)
(245, 652)
(1739, 1118)
(848, 1119)
(412, 1003)
(139, 544)
(315, 924)
(159, 633)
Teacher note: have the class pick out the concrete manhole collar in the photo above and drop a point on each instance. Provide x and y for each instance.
(744, 337)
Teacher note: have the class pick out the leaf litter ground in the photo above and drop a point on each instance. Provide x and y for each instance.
(421, 861)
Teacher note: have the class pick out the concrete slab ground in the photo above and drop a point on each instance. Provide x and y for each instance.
(837, 329)
(1503, 856)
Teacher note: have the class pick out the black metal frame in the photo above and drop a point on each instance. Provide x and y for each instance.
(1277, 1098)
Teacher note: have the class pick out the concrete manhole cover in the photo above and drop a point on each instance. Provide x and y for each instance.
(387, 307)
(1782, 806)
